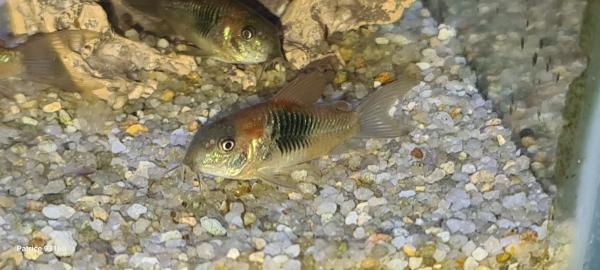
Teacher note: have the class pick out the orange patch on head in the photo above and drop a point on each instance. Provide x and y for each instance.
(252, 130)
(250, 125)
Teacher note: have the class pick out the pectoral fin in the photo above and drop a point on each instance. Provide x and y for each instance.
(277, 179)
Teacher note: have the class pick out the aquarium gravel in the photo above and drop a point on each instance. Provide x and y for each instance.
(91, 186)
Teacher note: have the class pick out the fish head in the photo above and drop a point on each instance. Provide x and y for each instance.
(217, 150)
(252, 40)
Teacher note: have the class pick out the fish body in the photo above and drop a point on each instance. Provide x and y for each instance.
(42, 59)
(226, 30)
(262, 141)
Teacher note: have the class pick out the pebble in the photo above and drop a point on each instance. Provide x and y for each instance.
(363, 194)
(116, 146)
(397, 263)
(514, 201)
(233, 253)
(326, 207)
(143, 261)
(132, 34)
(293, 251)
(470, 264)
(55, 187)
(409, 250)
(258, 257)
(162, 43)
(29, 121)
(359, 233)
(62, 243)
(136, 129)
(445, 32)
(47, 147)
(52, 107)
(351, 218)
(136, 210)
(167, 95)
(468, 168)
(481, 177)
(212, 226)
(53, 211)
(20, 98)
(140, 225)
(439, 255)
(479, 254)
(259, 243)
(415, 262)
(423, 66)
(206, 251)
(500, 139)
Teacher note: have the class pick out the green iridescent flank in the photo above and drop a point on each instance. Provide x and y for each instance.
(5, 58)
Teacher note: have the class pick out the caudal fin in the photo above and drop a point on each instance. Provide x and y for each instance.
(43, 59)
(375, 119)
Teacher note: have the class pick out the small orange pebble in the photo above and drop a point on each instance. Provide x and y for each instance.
(529, 235)
(193, 126)
(384, 77)
(136, 129)
(185, 218)
(374, 238)
(417, 153)
(409, 250)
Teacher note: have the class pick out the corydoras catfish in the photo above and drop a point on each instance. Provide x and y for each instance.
(226, 30)
(265, 140)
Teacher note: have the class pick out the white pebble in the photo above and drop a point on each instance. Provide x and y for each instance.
(170, 235)
(53, 211)
(162, 43)
(351, 218)
(470, 264)
(62, 243)
(423, 65)
(212, 226)
(136, 210)
(29, 121)
(479, 254)
(233, 253)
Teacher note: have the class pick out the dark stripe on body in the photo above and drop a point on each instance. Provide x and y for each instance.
(206, 13)
(291, 129)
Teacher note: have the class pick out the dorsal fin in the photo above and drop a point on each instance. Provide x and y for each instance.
(305, 90)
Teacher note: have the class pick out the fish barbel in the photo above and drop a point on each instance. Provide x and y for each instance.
(226, 30)
(261, 141)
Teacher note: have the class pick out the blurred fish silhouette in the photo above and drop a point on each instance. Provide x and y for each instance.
(46, 59)
(226, 30)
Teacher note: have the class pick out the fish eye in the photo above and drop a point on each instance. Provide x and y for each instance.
(227, 145)
(247, 33)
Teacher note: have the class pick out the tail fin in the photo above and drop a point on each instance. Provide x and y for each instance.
(43, 59)
(374, 117)
(10, 63)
